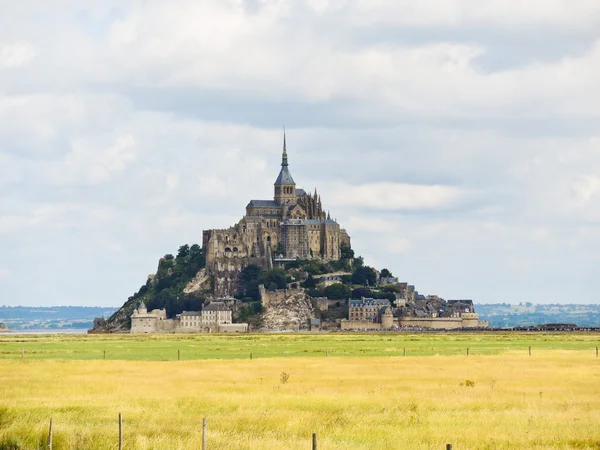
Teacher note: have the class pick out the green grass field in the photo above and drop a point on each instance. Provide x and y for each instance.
(365, 395)
(193, 347)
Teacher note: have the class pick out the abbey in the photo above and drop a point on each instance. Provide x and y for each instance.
(292, 226)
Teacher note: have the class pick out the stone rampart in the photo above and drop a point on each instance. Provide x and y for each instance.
(359, 325)
(440, 323)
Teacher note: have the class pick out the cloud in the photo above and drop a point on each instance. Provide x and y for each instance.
(457, 142)
(396, 196)
(14, 55)
(4, 273)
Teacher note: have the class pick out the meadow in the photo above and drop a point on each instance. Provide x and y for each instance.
(364, 395)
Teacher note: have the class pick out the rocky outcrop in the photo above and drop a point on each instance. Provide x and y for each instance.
(201, 282)
(286, 310)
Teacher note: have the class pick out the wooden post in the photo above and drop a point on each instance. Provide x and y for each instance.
(448, 446)
(204, 431)
(50, 435)
(596, 352)
(404, 351)
(314, 446)
(250, 355)
(104, 353)
(120, 432)
(467, 351)
(530, 350)
(178, 355)
(326, 352)
(22, 352)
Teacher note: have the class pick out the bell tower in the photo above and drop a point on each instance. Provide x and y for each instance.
(285, 187)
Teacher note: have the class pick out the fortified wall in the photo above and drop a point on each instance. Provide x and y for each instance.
(290, 226)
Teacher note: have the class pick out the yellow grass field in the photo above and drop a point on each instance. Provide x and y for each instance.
(550, 400)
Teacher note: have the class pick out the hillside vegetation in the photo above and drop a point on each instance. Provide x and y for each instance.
(181, 283)
(166, 288)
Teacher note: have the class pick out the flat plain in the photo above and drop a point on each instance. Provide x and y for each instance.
(355, 391)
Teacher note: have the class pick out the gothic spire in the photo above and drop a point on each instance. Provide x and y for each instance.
(284, 161)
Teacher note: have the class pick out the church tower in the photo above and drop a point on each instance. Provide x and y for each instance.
(285, 187)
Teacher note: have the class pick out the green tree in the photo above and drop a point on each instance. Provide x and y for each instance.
(250, 278)
(386, 273)
(346, 252)
(310, 282)
(364, 275)
(337, 291)
(184, 251)
(277, 276)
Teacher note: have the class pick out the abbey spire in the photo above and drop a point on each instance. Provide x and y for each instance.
(284, 161)
(285, 187)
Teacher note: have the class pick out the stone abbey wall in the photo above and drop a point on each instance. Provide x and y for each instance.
(292, 225)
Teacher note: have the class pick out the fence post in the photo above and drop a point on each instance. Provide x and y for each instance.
(204, 431)
(50, 435)
(22, 352)
(467, 351)
(105, 354)
(314, 446)
(326, 352)
(530, 350)
(120, 432)
(596, 352)
(448, 446)
(250, 355)
(178, 355)
(404, 351)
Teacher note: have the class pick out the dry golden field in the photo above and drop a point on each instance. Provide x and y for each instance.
(550, 400)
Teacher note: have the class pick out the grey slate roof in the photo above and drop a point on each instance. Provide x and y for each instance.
(264, 203)
(285, 177)
(190, 313)
(300, 192)
(216, 306)
(378, 302)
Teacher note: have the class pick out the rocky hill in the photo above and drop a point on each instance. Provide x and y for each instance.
(278, 298)
(180, 283)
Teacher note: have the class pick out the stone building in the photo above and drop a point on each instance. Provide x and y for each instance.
(369, 313)
(367, 309)
(214, 317)
(144, 321)
(293, 225)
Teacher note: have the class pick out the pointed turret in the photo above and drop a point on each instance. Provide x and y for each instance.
(285, 187)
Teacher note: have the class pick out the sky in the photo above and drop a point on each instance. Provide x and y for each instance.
(458, 142)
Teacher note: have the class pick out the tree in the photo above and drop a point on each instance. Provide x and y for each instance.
(183, 252)
(310, 282)
(346, 252)
(364, 275)
(386, 273)
(250, 278)
(277, 276)
(337, 291)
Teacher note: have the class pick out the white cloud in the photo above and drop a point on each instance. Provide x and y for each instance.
(396, 196)
(456, 141)
(14, 55)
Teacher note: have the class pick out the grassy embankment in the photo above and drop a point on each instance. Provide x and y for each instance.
(550, 400)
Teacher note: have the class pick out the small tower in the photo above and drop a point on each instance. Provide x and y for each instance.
(285, 187)
(141, 309)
